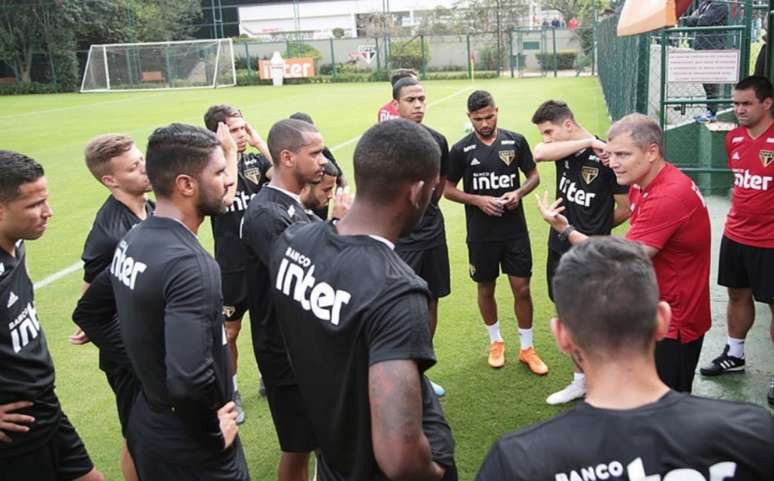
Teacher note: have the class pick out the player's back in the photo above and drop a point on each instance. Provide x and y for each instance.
(678, 437)
(344, 303)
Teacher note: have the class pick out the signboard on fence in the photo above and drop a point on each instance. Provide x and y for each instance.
(294, 68)
(366, 52)
(705, 66)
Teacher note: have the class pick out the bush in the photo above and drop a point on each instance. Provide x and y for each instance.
(33, 88)
(407, 54)
(448, 68)
(296, 50)
(564, 60)
(487, 58)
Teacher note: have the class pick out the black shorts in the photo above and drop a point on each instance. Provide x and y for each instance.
(552, 262)
(234, 287)
(676, 362)
(126, 387)
(291, 421)
(514, 256)
(744, 267)
(62, 458)
(432, 265)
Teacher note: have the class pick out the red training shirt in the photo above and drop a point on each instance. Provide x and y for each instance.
(670, 215)
(387, 112)
(751, 218)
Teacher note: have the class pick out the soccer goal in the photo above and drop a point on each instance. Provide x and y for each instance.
(163, 65)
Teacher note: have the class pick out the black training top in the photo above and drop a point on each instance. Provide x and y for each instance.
(269, 214)
(587, 188)
(168, 295)
(229, 250)
(26, 369)
(112, 222)
(337, 321)
(430, 231)
(491, 170)
(678, 437)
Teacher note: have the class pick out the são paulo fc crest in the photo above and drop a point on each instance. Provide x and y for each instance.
(253, 175)
(589, 174)
(228, 311)
(507, 156)
(767, 157)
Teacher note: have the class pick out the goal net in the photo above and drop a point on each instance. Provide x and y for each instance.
(163, 65)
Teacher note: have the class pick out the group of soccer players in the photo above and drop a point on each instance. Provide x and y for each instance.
(343, 311)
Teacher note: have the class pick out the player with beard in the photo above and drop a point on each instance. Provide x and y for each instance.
(388, 110)
(296, 150)
(251, 171)
(631, 425)
(37, 441)
(424, 249)
(488, 160)
(317, 197)
(358, 339)
(168, 295)
(594, 201)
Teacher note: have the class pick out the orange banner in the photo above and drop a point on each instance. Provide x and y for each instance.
(294, 68)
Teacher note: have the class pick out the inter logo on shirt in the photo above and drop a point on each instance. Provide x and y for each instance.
(24, 328)
(507, 156)
(588, 174)
(766, 156)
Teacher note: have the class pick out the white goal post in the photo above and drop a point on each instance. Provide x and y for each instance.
(183, 64)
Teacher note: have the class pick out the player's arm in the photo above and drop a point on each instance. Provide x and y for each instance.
(552, 214)
(488, 204)
(511, 199)
(400, 447)
(95, 312)
(553, 151)
(12, 422)
(188, 340)
(622, 210)
(230, 153)
(257, 142)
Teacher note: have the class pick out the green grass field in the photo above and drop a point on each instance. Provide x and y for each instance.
(481, 403)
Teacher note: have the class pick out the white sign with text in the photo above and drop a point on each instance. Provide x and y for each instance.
(706, 66)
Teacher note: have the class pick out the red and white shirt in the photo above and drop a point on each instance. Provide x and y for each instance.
(387, 112)
(670, 215)
(751, 218)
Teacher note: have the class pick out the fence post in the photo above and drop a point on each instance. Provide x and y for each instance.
(248, 62)
(662, 93)
(470, 60)
(378, 55)
(53, 68)
(287, 48)
(594, 39)
(746, 39)
(333, 60)
(643, 72)
(770, 51)
(499, 53)
(169, 66)
(518, 51)
(422, 63)
(510, 50)
(553, 39)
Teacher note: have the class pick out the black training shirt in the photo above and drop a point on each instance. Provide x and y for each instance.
(26, 369)
(587, 187)
(345, 303)
(112, 222)
(679, 437)
(168, 295)
(491, 170)
(269, 214)
(430, 231)
(229, 250)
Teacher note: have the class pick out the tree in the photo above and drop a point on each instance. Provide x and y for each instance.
(164, 20)
(580, 9)
(338, 32)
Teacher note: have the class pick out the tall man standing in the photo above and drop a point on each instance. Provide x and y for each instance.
(488, 160)
(424, 249)
(747, 250)
(670, 219)
(168, 297)
(594, 202)
(250, 174)
(388, 110)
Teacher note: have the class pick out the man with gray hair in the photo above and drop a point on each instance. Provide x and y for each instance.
(670, 219)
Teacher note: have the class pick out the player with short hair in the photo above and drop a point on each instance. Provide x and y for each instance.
(631, 425)
(168, 298)
(251, 173)
(747, 250)
(425, 249)
(488, 161)
(594, 201)
(296, 150)
(316, 197)
(388, 110)
(359, 340)
(670, 220)
(37, 441)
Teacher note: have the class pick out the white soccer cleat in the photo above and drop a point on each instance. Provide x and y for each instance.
(573, 391)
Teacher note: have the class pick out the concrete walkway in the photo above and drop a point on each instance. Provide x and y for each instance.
(759, 350)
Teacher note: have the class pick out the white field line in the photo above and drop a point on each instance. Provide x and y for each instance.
(77, 266)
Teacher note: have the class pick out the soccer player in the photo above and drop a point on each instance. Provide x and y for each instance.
(116, 162)
(631, 425)
(747, 250)
(316, 197)
(488, 161)
(388, 110)
(670, 219)
(424, 249)
(37, 441)
(593, 200)
(358, 339)
(296, 150)
(168, 297)
(251, 173)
